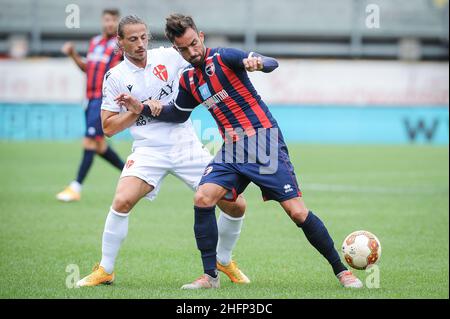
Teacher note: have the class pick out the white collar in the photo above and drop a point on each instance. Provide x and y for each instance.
(133, 67)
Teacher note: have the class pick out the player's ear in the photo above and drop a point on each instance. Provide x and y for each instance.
(201, 35)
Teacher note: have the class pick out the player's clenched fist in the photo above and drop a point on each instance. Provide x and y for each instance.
(68, 48)
(253, 64)
(155, 107)
(135, 106)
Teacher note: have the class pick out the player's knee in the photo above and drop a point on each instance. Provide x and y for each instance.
(298, 215)
(201, 199)
(239, 207)
(89, 144)
(122, 204)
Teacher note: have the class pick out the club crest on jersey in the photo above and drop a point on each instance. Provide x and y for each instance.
(210, 69)
(129, 163)
(160, 71)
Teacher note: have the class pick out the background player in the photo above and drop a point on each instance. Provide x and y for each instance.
(159, 148)
(103, 54)
(219, 80)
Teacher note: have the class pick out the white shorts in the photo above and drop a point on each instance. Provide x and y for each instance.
(153, 164)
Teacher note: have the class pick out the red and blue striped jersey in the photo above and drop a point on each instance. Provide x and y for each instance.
(223, 86)
(103, 54)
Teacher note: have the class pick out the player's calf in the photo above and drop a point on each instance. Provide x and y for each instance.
(234, 209)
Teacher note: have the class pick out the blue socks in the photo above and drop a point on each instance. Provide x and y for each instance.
(113, 158)
(317, 234)
(206, 235)
(88, 158)
(86, 163)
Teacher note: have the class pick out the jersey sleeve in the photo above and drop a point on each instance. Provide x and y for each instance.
(233, 57)
(110, 91)
(185, 101)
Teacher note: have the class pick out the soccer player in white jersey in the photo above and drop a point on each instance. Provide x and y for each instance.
(159, 148)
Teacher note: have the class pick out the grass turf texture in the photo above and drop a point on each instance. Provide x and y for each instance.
(400, 193)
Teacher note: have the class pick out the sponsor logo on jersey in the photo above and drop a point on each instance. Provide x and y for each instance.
(141, 121)
(160, 71)
(165, 91)
(204, 91)
(129, 87)
(216, 98)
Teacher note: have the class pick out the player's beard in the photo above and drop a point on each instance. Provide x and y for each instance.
(199, 59)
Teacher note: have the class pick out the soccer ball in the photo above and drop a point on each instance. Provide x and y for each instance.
(361, 249)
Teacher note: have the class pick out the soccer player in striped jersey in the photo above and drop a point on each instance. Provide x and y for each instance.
(218, 80)
(103, 54)
(159, 148)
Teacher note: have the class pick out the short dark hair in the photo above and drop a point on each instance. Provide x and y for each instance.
(111, 11)
(177, 24)
(130, 19)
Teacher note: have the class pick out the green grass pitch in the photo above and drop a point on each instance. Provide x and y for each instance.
(400, 193)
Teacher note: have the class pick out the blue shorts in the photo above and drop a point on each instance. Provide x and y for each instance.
(93, 120)
(276, 178)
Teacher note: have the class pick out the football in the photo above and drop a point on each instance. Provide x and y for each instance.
(361, 249)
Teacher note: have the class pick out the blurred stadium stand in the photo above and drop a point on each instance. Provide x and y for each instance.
(409, 29)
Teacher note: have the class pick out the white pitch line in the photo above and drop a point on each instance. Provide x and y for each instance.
(381, 173)
(372, 189)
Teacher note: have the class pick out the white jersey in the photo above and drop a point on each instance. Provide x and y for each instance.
(158, 81)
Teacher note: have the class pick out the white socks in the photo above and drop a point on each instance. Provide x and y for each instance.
(75, 186)
(116, 229)
(229, 229)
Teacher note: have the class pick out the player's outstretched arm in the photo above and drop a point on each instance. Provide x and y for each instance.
(169, 113)
(152, 108)
(250, 61)
(69, 49)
